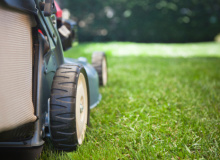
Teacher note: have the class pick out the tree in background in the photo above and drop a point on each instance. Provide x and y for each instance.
(146, 20)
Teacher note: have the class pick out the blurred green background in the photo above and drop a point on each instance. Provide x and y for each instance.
(146, 20)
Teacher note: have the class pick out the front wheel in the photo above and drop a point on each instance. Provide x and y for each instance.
(69, 107)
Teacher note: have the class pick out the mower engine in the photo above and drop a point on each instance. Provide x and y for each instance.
(67, 29)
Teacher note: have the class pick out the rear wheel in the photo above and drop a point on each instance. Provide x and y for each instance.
(69, 107)
(99, 62)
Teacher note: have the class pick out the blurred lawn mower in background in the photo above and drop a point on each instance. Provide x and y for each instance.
(43, 94)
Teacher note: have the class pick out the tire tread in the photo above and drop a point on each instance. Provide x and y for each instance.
(62, 108)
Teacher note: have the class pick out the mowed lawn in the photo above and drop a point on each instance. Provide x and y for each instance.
(162, 101)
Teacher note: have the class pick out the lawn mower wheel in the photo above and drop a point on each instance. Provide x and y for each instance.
(99, 62)
(69, 107)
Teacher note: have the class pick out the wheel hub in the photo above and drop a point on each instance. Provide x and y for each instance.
(81, 108)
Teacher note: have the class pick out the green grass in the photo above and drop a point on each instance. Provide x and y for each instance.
(162, 102)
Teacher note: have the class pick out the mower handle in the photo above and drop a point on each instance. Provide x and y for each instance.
(48, 7)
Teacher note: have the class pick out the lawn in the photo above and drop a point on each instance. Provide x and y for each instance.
(162, 101)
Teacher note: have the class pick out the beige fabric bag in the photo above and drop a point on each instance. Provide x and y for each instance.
(16, 107)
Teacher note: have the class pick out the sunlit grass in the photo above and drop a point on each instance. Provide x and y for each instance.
(154, 49)
(163, 102)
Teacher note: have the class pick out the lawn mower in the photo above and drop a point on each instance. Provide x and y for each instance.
(42, 94)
